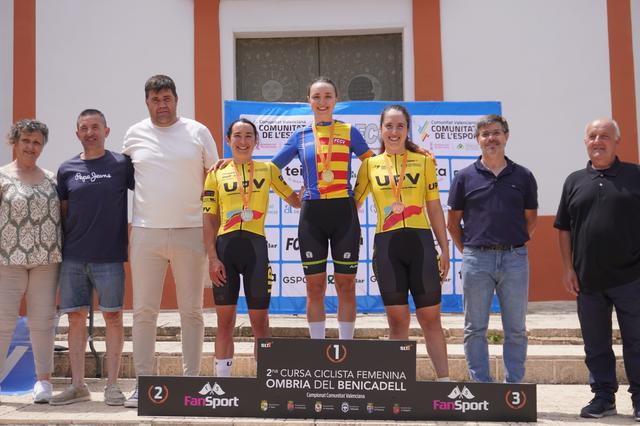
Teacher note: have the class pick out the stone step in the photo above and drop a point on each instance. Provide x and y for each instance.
(551, 364)
(242, 332)
(548, 323)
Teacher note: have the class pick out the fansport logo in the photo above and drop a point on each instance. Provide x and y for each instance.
(461, 402)
(464, 393)
(211, 390)
(211, 396)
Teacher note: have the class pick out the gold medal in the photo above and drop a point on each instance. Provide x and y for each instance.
(397, 207)
(325, 160)
(327, 176)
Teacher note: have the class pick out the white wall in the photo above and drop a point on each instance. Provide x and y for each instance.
(541, 58)
(6, 76)
(312, 18)
(635, 28)
(98, 54)
(547, 61)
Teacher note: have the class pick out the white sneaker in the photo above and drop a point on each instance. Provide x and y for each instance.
(132, 401)
(42, 391)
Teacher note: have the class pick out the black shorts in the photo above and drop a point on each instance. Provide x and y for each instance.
(244, 253)
(330, 221)
(406, 260)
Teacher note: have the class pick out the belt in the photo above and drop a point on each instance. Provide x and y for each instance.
(500, 247)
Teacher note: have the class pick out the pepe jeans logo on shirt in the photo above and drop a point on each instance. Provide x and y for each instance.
(92, 177)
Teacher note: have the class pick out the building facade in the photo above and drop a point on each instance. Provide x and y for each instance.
(554, 65)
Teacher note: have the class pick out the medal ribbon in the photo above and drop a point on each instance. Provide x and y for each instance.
(325, 160)
(396, 187)
(245, 194)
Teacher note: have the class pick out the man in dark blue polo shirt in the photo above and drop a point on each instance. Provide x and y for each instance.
(599, 240)
(497, 199)
(92, 187)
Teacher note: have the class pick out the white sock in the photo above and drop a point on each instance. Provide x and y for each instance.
(317, 330)
(345, 330)
(443, 379)
(223, 367)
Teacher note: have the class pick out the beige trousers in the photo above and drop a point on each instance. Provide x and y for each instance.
(152, 250)
(39, 283)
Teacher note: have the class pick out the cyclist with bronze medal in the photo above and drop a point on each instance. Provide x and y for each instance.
(404, 184)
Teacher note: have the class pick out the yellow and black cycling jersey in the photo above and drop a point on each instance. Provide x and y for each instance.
(420, 185)
(221, 192)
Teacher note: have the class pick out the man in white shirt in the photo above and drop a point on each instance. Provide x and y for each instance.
(170, 156)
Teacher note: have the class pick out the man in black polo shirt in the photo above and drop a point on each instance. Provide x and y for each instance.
(498, 201)
(599, 239)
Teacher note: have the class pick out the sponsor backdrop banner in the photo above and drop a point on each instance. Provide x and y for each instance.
(445, 128)
(336, 379)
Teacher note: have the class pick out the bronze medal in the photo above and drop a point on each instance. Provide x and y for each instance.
(397, 207)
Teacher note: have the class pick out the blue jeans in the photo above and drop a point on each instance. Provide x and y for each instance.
(78, 279)
(507, 273)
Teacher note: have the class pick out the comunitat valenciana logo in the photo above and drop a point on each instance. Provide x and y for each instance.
(461, 400)
(211, 396)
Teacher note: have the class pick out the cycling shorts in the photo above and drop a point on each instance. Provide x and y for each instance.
(329, 222)
(405, 260)
(244, 253)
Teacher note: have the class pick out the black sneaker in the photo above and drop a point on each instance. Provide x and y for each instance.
(636, 412)
(598, 408)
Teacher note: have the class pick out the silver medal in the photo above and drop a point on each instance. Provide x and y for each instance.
(246, 215)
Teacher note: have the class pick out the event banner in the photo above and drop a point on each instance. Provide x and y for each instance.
(445, 128)
(336, 379)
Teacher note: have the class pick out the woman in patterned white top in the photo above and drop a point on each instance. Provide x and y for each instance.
(30, 248)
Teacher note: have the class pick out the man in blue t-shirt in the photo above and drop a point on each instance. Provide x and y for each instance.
(498, 200)
(92, 187)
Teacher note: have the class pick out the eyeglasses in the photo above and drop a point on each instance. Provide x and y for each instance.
(494, 133)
